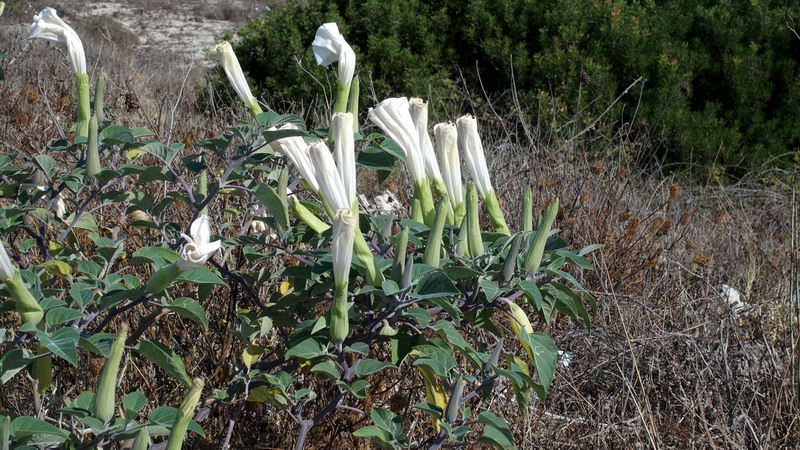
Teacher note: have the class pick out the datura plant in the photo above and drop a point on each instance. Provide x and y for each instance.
(113, 243)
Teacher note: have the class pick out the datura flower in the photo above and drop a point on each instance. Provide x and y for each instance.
(344, 151)
(471, 145)
(7, 269)
(296, 149)
(198, 247)
(47, 25)
(327, 175)
(446, 138)
(330, 47)
(234, 72)
(418, 109)
(59, 207)
(393, 117)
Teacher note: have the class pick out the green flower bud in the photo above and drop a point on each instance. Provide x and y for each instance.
(142, 441)
(99, 87)
(399, 264)
(538, 240)
(433, 248)
(104, 400)
(526, 221)
(474, 239)
(510, 263)
(93, 151)
(307, 217)
(185, 414)
(451, 412)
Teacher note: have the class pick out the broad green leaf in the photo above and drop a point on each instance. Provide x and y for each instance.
(327, 368)
(59, 315)
(57, 268)
(387, 420)
(166, 415)
(374, 434)
(157, 255)
(545, 356)
(160, 151)
(165, 358)
(201, 275)
(435, 284)
(116, 134)
(370, 366)
(12, 362)
(270, 199)
(495, 431)
(45, 163)
(358, 388)
(307, 349)
(449, 332)
(134, 402)
(99, 343)
(190, 309)
(62, 342)
(26, 426)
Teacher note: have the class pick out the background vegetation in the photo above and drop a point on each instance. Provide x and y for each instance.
(718, 81)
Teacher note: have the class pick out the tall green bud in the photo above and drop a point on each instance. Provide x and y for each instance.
(352, 102)
(399, 263)
(104, 401)
(474, 239)
(84, 111)
(93, 150)
(99, 88)
(308, 217)
(142, 441)
(185, 414)
(538, 240)
(433, 248)
(526, 220)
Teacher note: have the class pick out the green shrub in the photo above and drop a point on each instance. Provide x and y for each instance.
(719, 79)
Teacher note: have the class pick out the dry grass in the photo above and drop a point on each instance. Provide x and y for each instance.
(668, 364)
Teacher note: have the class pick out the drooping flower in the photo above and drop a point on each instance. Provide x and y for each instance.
(393, 117)
(47, 25)
(344, 225)
(327, 175)
(330, 47)
(235, 75)
(296, 149)
(198, 247)
(59, 207)
(344, 151)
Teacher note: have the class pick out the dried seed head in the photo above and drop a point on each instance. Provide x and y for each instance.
(720, 216)
(674, 191)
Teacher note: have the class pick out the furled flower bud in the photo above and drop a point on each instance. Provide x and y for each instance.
(344, 226)
(330, 47)
(447, 147)
(27, 306)
(538, 240)
(104, 400)
(185, 415)
(327, 175)
(344, 150)
(235, 75)
(418, 109)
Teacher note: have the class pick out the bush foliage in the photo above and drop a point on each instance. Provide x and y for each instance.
(718, 79)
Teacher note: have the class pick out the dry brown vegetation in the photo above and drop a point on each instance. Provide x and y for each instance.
(667, 365)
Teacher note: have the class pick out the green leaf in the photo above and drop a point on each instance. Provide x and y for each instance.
(61, 314)
(495, 431)
(12, 362)
(449, 332)
(370, 366)
(87, 222)
(387, 420)
(62, 342)
(569, 303)
(201, 275)
(133, 403)
(165, 358)
(160, 151)
(160, 256)
(358, 388)
(307, 349)
(435, 284)
(421, 316)
(545, 356)
(26, 426)
(166, 415)
(190, 309)
(327, 368)
(272, 201)
(116, 134)
(45, 163)
(374, 434)
(99, 343)
(490, 289)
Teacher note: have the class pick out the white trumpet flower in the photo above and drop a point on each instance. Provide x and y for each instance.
(330, 47)
(198, 247)
(392, 116)
(447, 147)
(330, 182)
(59, 207)
(296, 149)
(344, 151)
(418, 109)
(235, 75)
(472, 147)
(7, 269)
(47, 25)
(344, 226)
